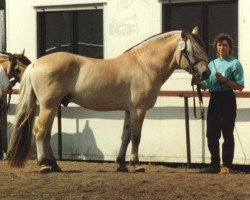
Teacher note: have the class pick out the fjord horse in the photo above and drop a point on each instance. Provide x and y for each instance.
(14, 64)
(129, 82)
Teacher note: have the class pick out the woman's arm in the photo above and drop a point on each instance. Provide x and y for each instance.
(233, 85)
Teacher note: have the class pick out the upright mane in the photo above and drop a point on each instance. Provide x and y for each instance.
(23, 59)
(152, 39)
(197, 45)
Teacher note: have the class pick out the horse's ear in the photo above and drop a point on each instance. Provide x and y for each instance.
(23, 52)
(195, 30)
(184, 35)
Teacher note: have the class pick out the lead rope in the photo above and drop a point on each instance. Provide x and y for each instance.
(245, 158)
(9, 91)
(199, 94)
(182, 47)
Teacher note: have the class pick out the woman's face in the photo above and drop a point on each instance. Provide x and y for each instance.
(223, 48)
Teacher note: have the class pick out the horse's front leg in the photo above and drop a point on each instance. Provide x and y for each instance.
(137, 119)
(125, 141)
(42, 132)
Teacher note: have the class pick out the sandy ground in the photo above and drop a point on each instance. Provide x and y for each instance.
(83, 180)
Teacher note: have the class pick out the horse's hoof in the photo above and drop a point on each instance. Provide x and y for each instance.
(56, 169)
(122, 169)
(139, 169)
(45, 170)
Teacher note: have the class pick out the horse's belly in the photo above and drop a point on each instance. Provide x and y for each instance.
(101, 102)
(102, 107)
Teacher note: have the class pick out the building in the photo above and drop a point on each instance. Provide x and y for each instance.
(105, 29)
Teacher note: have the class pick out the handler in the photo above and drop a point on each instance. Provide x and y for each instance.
(226, 76)
(4, 83)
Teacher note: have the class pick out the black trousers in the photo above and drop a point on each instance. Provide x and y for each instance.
(221, 117)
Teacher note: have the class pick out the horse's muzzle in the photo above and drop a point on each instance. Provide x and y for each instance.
(205, 74)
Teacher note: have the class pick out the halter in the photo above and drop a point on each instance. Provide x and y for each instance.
(195, 77)
(183, 49)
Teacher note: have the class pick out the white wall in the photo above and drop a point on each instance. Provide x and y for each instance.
(163, 136)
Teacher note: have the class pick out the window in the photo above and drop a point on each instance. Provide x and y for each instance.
(79, 32)
(2, 26)
(212, 17)
(2, 4)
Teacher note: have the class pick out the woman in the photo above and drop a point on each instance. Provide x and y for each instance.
(4, 82)
(226, 76)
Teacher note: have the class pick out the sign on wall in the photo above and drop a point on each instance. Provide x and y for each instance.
(128, 17)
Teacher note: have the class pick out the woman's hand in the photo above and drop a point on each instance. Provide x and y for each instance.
(221, 78)
(11, 84)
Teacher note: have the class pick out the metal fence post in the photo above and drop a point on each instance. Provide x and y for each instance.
(59, 117)
(187, 132)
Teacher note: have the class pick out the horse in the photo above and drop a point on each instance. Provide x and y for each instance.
(14, 64)
(129, 82)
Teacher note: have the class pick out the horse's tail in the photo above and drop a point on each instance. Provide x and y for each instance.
(21, 133)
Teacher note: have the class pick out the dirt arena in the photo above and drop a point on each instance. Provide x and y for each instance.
(83, 180)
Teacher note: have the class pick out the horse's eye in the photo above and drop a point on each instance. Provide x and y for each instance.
(17, 70)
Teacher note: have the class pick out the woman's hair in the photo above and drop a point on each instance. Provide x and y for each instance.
(223, 36)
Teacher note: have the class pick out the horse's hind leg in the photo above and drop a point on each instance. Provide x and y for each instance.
(125, 141)
(42, 132)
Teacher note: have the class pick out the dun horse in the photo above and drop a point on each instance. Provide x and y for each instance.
(14, 64)
(129, 82)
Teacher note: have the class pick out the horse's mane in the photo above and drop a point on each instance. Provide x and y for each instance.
(23, 59)
(152, 39)
(198, 46)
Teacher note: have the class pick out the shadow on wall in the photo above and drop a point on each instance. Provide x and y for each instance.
(81, 145)
(155, 113)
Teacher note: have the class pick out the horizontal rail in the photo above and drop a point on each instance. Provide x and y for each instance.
(14, 91)
(180, 93)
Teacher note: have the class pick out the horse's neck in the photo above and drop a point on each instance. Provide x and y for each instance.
(2, 59)
(158, 59)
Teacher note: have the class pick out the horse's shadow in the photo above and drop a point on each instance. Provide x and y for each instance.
(79, 146)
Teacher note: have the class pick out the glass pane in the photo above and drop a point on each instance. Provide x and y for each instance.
(90, 33)
(58, 32)
(222, 17)
(184, 17)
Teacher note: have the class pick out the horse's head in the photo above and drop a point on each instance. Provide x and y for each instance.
(17, 65)
(191, 55)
